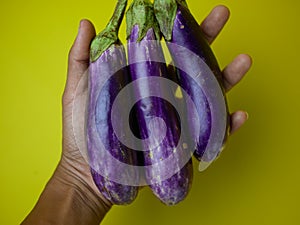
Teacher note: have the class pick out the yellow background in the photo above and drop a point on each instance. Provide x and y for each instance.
(257, 178)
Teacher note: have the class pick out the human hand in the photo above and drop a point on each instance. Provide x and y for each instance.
(237, 69)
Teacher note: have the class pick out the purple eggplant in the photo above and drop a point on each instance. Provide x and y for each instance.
(107, 56)
(181, 31)
(146, 60)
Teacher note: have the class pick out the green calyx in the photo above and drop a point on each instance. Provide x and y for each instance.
(165, 13)
(109, 35)
(101, 43)
(141, 13)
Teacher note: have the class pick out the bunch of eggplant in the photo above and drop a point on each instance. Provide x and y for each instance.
(109, 69)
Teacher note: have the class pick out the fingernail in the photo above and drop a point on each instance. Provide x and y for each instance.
(78, 32)
(247, 115)
(79, 26)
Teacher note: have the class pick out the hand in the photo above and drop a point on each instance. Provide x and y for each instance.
(236, 70)
(72, 177)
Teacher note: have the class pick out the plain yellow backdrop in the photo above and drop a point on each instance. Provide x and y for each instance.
(257, 178)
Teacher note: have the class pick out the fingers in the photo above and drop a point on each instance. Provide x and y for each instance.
(79, 53)
(79, 57)
(237, 120)
(232, 74)
(214, 22)
(236, 70)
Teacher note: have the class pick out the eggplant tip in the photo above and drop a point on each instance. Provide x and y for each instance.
(203, 165)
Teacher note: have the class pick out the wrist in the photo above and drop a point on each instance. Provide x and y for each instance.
(66, 199)
(80, 185)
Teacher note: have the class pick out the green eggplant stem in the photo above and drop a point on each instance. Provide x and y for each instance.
(165, 13)
(141, 13)
(115, 21)
(109, 35)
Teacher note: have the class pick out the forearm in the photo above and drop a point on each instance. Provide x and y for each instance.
(65, 203)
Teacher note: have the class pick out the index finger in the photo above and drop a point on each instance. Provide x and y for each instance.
(214, 22)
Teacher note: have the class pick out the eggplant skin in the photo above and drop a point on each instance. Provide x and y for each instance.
(117, 194)
(187, 33)
(99, 125)
(203, 110)
(174, 189)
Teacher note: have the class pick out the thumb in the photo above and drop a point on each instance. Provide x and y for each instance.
(78, 61)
